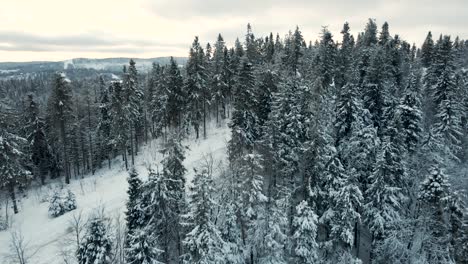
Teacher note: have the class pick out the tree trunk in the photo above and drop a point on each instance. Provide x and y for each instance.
(131, 145)
(136, 139)
(65, 154)
(204, 119)
(124, 156)
(90, 138)
(11, 190)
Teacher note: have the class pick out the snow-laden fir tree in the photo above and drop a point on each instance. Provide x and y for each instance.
(143, 248)
(132, 96)
(435, 193)
(176, 95)
(55, 204)
(427, 51)
(447, 127)
(119, 131)
(244, 120)
(305, 224)
(197, 87)
(60, 115)
(134, 214)
(96, 246)
(13, 172)
(269, 232)
(68, 200)
(104, 122)
(204, 241)
(39, 149)
(409, 114)
(385, 192)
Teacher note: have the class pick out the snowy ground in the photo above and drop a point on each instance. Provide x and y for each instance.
(44, 235)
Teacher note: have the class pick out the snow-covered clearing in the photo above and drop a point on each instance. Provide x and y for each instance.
(106, 189)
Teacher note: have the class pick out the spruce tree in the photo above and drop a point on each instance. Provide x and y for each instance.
(305, 234)
(142, 248)
(244, 120)
(427, 51)
(197, 87)
(60, 115)
(13, 172)
(134, 214)
(203, 241)
(96, 246)
(39, 149)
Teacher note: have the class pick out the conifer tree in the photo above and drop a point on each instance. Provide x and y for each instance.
(39, 149)
(409, 113)
(96, 246)
(305, 234)
(119, 121)
(427, 51)
(142, 248)
(244, 120)
(197, 87)
(176, 95)
(203, 241)
(60, 113)
(104, 127)
(13, 172)
(134, 214)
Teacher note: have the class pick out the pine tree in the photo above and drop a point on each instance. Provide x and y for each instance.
(159, 218)
(197, 87)
(447, 127)
(305, 234)
(244, 120)
(132, 96)
(96, 246)
(435, 192)
(13, 172)
(159, 101)
(203, 241)
(409, 113)
(39, 149)
(269, 233)
(60, 111)
(134, 214)
(176, 95)
(173, 176)
(55, 204)
(142, 248)
(345, 57)
(385, 194)
(251, 46)
(294, 51)
(104, 125)
(119, 121)
(427, 51)
(68, 200)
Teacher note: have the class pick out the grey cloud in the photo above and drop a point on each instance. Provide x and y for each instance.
(97, 42)
(182, 9)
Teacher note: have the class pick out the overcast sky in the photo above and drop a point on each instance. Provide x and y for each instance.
(65, 29)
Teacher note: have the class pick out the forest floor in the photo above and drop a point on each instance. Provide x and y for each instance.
(45, 237)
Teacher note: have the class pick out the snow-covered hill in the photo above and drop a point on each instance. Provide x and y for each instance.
(45, 236)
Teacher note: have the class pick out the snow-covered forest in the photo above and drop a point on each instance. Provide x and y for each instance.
(349, 149)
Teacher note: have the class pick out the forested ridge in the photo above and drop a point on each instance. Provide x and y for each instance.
(349, 149)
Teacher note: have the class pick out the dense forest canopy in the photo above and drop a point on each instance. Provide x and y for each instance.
(349, 149)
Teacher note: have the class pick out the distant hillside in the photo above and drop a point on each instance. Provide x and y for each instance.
(11, 69)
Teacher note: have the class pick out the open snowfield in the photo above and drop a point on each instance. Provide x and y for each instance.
(107, 189)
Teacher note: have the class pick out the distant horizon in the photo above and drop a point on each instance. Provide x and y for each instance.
(90, 58)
